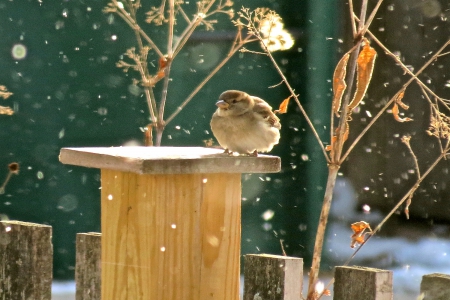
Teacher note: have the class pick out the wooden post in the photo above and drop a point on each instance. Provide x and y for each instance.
(88, 268)
(170, 219)
(26, 261)
(362, 283)
(272, 277)
(435, 287)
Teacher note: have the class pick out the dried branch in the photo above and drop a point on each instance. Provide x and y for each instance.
(403, 88)
(266, 26)
(397, 206)
(237, 44)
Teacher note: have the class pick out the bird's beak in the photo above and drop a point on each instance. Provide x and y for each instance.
(222, 104)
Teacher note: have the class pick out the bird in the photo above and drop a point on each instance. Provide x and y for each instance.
(244, 124)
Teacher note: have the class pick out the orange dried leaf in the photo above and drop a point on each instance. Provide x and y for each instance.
(160, 74)
(359, 229)
(366, 63)
(163, 63)
(149, 135)
(395, 113)
(360, 226)
(398, 100)
(283, 106)
(339, 84)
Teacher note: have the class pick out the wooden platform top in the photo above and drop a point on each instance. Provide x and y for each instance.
(168, 160)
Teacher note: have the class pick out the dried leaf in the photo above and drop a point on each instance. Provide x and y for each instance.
(359, 229)
(395, 112)
(399, 98)
(283, 106)
(14, 168)
(366, 63)
(408, 203)
(339, 84)
(149, 135)
(163, 62)
(334, 139)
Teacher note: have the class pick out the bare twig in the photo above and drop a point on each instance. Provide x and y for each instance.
(350, 6)
(170, 29)
(132, 23)
(300, 106)
(370, 19)
(334, 166)
(255, 31)
(13, 170)
(127, 11)
(396, 207)
(414, 77)
(237, 44)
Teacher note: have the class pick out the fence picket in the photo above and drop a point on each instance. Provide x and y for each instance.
(26, 261)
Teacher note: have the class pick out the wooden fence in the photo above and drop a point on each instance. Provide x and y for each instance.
(26, 256)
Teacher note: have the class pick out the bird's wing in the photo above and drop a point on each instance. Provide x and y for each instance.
(265, 110)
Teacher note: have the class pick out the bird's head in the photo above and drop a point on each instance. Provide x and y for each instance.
(234, 102)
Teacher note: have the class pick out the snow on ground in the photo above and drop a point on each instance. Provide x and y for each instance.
(408, 258)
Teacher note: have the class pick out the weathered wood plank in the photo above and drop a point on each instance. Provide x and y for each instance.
(435, 286)
(88, 266)
(362, 283)
(168, 160)
(272, 277)
(26, 260)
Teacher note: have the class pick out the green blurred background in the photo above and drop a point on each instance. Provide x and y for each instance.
(68, 92)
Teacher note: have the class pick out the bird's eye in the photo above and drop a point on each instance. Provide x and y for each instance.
(234, 101)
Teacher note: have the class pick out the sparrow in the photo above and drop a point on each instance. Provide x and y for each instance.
(244, 124)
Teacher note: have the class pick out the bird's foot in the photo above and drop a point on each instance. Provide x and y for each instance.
(228, 152)
(254, 153)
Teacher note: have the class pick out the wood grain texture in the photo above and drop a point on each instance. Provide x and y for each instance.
(435, 286)
(171, 237)
(168, 160)
(362, 283)
(26, 260)
(88, 266)
(272, 277)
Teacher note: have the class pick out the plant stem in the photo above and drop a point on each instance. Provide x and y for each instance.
(414, 77)
(350, 6)
(300, 106)
(334, 165)
(315, 266)
(234, 48)
(184, 37)
(396, 207)
(133, 24)
(370, 19)
(171, 27)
